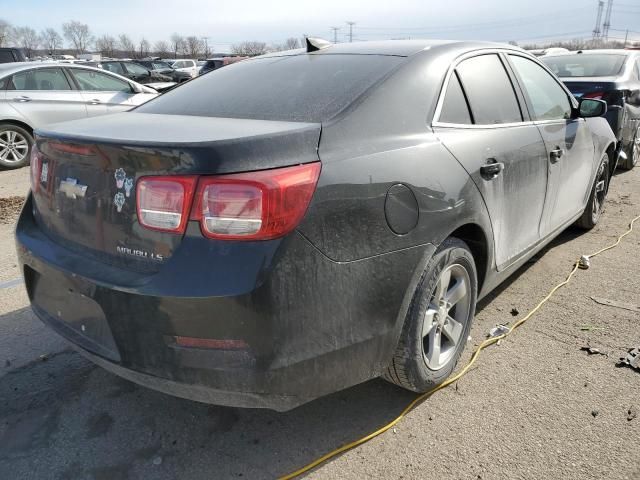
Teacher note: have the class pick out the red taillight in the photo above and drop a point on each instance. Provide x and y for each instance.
(163, 203)
(257, 205)
(244, 206)
(36, 166)
(594, 95)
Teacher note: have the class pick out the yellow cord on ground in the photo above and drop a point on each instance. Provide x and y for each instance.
(460, 374)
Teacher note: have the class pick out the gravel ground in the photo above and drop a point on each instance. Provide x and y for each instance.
(536, 406)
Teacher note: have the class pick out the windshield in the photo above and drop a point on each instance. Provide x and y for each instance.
(161, 66)
(586, 65)
(304, 88)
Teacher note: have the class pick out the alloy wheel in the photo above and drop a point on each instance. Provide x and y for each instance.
(14, 147)
(446, 317)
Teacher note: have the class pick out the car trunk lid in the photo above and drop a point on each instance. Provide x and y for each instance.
(85, 186)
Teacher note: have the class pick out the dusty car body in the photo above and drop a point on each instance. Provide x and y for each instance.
(399, 204)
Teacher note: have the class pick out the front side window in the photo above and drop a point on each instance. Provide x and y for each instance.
(489, 91)
(114, 67)
(454, 106)
(41, 79)
(99, 82)
(547, 97)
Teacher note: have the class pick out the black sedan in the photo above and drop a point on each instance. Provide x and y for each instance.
(612, 76)
(263, 243)
(163, 68)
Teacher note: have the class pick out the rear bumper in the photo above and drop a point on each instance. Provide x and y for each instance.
(309, 326)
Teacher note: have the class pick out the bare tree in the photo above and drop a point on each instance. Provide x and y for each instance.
(126, 45)
(161, 48)
(193, 46)
(144, 47)
(51, 40)
(291, 43)
(78, 34)
(5, 32)
(177, 44)
(106, 45)
(249, 49)
(26, 38)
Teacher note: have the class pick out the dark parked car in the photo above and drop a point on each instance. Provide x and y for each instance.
(214, 63)
(9, 55)
(612, 76)
(212, 244)
(163, 68)
(138, 73)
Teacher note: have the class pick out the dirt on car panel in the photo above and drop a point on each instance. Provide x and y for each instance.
(10, 209)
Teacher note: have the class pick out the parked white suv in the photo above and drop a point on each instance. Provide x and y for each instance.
(185, 65)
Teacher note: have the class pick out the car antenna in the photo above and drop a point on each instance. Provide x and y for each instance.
(315, 44)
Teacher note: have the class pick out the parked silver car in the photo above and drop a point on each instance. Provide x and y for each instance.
(34, 95)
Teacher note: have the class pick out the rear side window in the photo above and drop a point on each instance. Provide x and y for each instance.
(114, 67)
(41, 79)
(454, 106)
(548, 99)
(97, 81)
(489, 90)
(136, 69)
(303, 88)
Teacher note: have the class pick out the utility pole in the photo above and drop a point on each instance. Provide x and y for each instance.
(351, 24)
(596, 29)
(335, 34)
(607, 21)
(206, 46)
(626, 36)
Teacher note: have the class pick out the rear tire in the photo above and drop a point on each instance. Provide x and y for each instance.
(437, 325)
(15, 146)
(633, 153)
(595, 205)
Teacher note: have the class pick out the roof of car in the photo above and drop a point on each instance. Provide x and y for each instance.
(402, 48)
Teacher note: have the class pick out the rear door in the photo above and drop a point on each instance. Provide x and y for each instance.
(103, 93)
(481, 121)
(45, 95)
(568, 142)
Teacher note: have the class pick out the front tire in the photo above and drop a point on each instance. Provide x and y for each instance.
(437, 325)
(633, 153)
(15, 146)
(595, 205)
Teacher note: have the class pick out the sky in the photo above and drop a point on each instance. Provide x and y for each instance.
(227, 22)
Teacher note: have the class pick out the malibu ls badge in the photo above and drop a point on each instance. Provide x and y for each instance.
(72, 189)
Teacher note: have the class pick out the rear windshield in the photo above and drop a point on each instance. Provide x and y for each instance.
(586, 65)
(304, 88)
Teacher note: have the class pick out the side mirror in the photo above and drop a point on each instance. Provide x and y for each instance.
(589, 107)
(135, 88)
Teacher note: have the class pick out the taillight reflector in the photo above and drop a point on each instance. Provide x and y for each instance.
(257, 205)
(163, 203)
(36, 167)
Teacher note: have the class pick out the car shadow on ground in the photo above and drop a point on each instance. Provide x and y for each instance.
(79, 421)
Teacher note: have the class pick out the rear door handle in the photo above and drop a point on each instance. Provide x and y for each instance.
(22, 99)
(492, 169)
(95, 101)
(556, 154)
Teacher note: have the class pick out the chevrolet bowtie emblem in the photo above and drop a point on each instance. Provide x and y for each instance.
(72, 189)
